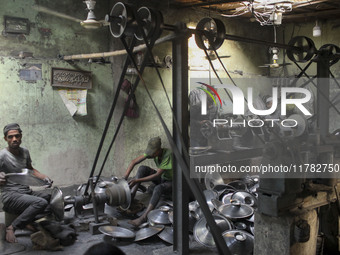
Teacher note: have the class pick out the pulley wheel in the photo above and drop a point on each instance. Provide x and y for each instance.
(150, 21)
(119, 18)
(333, 53)
(210, 34)
(302, 49)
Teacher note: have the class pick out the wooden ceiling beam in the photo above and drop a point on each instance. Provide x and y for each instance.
(311, 14)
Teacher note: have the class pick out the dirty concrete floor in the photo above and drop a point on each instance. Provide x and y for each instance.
(152, 246)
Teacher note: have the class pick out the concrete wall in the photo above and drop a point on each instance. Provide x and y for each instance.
(61, 146)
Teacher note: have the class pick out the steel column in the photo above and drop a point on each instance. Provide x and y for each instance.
(180, 107)
(323, 105)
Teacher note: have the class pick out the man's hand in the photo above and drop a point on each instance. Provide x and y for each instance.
(133, 182)
(48, 182)
(2, 178)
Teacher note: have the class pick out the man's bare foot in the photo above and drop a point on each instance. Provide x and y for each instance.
(137, 222)
(10, 237)
(31, 227)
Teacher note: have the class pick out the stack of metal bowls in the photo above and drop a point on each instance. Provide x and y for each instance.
(233, 208)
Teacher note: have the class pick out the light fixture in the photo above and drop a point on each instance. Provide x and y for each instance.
(91, 21)
(316, 30)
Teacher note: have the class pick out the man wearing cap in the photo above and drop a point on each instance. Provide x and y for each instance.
(17, 198)
(161, 176)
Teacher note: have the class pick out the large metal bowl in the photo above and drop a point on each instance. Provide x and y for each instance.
(239, 242)
(159, 216)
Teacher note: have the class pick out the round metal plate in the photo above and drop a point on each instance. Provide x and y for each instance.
(117, 232)
(202, 233)
(147, 232)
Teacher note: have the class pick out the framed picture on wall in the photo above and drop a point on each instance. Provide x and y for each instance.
(14, 25)
(69, 78)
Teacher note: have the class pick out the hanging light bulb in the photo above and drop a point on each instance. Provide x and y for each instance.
(316, 30)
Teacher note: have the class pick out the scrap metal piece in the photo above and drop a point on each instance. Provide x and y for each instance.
(57, 203)
(25, 177)
(117, 232)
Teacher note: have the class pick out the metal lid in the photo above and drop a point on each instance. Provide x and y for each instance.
(202, 232)
(236, 210)
(245, 198)
(159, 216)
(117, 232)
(147, 232)
(239, 242)
(167, 235)
(57, 203)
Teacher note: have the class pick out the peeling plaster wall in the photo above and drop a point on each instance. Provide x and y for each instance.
(61, 146)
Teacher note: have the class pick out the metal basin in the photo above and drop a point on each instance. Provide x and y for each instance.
(159, 216)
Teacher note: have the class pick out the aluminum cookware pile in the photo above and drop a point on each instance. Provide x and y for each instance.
(232, 206)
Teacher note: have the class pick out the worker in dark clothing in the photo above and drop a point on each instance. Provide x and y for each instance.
(17, 198)
(161, 176)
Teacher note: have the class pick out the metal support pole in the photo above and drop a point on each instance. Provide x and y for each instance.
(180, 107)
(323, 75)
